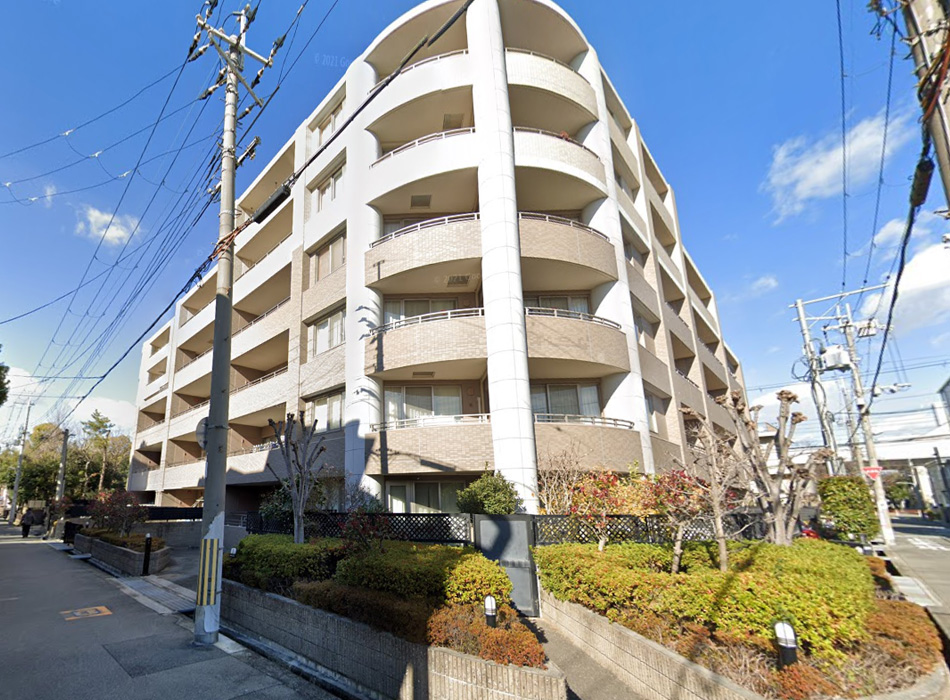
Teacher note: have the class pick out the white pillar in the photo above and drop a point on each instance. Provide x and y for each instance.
(512, 422)
(363, 305)
(623, 393)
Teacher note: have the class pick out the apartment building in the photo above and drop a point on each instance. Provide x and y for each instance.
(485, 269)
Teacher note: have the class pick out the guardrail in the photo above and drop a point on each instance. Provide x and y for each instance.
(583, 420)
(535, 216)
(260, 447)
(430, 421)
(261, 317)
(686, 377)
(544, 56)
(260, 380)
(429, 318)
(424, 61)
(194, 359)
(439, 136)
(428, 223)
(543, 132)
(250, 267)
(575, 315)
(191, 408)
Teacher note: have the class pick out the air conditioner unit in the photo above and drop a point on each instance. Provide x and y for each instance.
(835, 357)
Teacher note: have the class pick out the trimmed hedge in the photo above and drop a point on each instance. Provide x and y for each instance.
(847, 503)
(463, 628)
(273, 562)
(133, 542)
(824, 590)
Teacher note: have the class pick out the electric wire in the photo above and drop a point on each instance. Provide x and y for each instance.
(844, 154)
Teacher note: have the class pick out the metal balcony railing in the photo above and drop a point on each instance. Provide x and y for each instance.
(431, 421)
(531, 130)
(428, 318)
(239, 274)
(260, 380)
(261, 317)
(545, 57)
(686, 377)
(194, 359)
(425, 61)
(429, 223)
(575, 315)
(251, 449)
(583, 420)
(440, 136)
(535, 216)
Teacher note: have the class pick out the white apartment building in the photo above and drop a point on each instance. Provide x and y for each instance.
(485, 269)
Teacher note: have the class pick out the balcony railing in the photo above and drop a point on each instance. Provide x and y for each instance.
(183, 462)
(251, 449)
(544, 56)
(575, 315)
(431, 59)
(250, 267)
(191, 408)
(261, 317)
(159, 390)
(440, 136)
(686, 377)
(429, 223)
(260, 380)
(431, 421)
(428, 318)
(543, 132)
(195, 359)
(583, 420)
(533, 216)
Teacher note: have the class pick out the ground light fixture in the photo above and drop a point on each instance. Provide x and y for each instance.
(233, 552)
(787, 644)
(491, 610)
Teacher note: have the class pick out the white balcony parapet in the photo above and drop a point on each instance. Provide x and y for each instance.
(261, 317)
(429, 223)
(583, 420)
(575, 315)
(260, 380)
(195, 359)
(423, 62)
(686, 377)
(428, 318)
(240, 274)
(191, 408)
(543, 132)
(439, 136)
(432, 421)
(545, 57)
(262, 447)
(534, 216)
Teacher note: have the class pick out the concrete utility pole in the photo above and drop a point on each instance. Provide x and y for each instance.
(61, 476)
(887, 530)
(856, 455)
(19, 466)
(818, 391)
(208, 609)
(927, 28)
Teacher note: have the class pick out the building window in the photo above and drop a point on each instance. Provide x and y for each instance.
(327, 259)
(329, 190)
(654, 406)
(564, 302)
(423, 496)
(565, 399)
(329, 125)
(327, 410)
(398, 309)
(623, 185)
(415, 402)
(326, 332)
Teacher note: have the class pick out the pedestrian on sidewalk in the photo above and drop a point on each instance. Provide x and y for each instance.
(26, 522)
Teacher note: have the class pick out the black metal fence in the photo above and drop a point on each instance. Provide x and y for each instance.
(433, 528)
(80, 510)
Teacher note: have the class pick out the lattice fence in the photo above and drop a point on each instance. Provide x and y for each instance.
(441, 528)
(558, 529)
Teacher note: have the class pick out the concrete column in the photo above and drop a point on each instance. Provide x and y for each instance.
(300, 271)
(363, 305)
(623, 393)
(508, 385)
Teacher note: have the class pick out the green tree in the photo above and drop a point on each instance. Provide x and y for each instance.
(97, 431)
(490, 494)
(847, 506)
(4, 382)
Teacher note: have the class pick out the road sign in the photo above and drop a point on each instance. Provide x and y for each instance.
(201, 433)
(871, 473)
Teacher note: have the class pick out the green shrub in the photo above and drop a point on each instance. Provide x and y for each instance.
(463, 628)
(134, 542)
(405, 618)
(426, 571)
(847, 504)
(490, 494)
(273, 562)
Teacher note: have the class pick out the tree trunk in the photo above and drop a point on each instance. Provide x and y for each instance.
(779, 526)
(298, 526)
(601, 543)
(720, 532)
(677, 548)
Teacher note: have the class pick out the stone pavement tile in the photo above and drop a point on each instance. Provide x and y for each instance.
(221, 679)
(160, 652)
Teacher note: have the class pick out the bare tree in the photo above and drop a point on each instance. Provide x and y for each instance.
(300, 447)
(780, 489)
(559, 474)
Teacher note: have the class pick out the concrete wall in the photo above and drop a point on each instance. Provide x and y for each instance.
(121, 559)
(376, 663)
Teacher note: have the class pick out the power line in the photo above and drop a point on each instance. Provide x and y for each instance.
(844, 153)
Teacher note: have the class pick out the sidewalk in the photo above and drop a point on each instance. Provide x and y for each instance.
(121, 649)
(923, 553)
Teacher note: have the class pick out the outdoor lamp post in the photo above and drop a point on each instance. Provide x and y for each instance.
(787, 644)
(491, 610)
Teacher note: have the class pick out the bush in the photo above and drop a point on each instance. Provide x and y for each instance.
(133, 542)
(463, 628)
(117, 511)
(906, 634)
(490, 494)
(398, 616)
(273, 562)
(847, 506)
(420, 571)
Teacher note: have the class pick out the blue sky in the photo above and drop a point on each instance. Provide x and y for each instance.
(741, 109)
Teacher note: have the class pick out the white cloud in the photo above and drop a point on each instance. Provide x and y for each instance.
(758, 287)
(924, 298)
(95, 225)
(122, 413)
(804, 169)
(48, 193)
(888, 237)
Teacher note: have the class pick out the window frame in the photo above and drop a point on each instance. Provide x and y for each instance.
(313, 332)
(578, 387)
(338, 398)
(327, 250)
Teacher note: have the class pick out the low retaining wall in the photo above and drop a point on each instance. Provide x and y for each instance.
(657, 673)
(376, 663)
(125, 560)
(176, 533)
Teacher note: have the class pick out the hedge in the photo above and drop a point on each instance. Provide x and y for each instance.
(847, 503)
(134, 542)
(273, 562)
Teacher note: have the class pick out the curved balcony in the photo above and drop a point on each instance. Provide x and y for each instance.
(547, 93)
(433, 444)
(554, 249)
(597, 442)
(436, 74)
(536, 148)
(570, 344)
(449, 344)
(422, 258)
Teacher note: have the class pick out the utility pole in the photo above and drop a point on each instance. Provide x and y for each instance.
(61, 476)
(208, 609)
(856, 455)
(19, 466)
(818, 391)
(880, 499)
(105, 453)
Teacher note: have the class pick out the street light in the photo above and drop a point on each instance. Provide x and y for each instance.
(491, 611)
(787, 644)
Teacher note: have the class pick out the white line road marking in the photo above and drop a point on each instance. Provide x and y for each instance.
(927, 543)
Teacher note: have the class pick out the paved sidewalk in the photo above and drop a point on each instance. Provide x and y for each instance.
(923, 553)
(128, 650)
